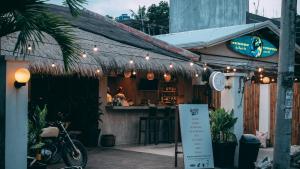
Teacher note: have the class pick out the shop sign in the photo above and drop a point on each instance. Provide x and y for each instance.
(196, 136)
(253, 46)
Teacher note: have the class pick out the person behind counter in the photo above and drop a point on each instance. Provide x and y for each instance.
(109, 98)
(120, 97)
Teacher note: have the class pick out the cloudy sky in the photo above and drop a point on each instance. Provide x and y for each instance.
(268, 8)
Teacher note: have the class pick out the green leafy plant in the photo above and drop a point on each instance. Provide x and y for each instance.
(221, 125)
(35, 125)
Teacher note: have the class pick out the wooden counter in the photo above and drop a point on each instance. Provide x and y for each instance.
(123, 122)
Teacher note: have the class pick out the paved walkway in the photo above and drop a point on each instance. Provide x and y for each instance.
(120, 159)
(139, 157)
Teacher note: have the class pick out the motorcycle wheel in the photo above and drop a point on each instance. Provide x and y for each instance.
(72, 158)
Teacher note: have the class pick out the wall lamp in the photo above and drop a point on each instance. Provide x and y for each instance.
(22, 76)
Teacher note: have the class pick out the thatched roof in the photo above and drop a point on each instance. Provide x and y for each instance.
(117, 44)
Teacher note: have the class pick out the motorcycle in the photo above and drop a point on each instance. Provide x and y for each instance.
(58, 144)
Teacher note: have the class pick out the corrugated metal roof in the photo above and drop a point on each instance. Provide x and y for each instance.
(208, 37)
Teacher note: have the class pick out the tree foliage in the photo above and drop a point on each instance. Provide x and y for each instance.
(153, 20)
(32, 20)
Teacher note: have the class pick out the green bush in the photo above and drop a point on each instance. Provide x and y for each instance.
(221, 123)
(36, 123)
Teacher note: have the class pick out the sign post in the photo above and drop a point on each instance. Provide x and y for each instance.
(196, 136)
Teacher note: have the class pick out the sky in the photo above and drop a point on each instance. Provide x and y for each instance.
(267, 8)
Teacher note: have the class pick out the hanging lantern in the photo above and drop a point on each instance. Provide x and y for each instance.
(266, 80)
(167, 77)
(127, 74)
(150, 75)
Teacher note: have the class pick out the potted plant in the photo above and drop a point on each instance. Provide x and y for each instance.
(37, 121)
(223, 140)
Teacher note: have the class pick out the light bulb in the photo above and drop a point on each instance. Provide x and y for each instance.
(191, 64)
(147, 57)
(228, 67)
(98, 70)
(29, 47)
(53, 65)
(131, 61)
(234, 70)
(171, 65)
(134, 72)
(196, 75)
(95, 49)
(84, 55)
(260, 69)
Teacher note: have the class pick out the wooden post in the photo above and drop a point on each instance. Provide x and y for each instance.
(177, 127)
(285, 83)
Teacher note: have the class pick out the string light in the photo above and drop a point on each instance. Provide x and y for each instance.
(196, 75)
(134, 72)
(260, 69)
(261, 79)
(95, 49)
(234, 69)
(53, 65)
(273, 80)
(98, 70)
(296, 79)
(84, 55)
(147, 57)
(131, 61)
(191, 64)
(228, 67)
(261, 75)
(171, 66)
(205, 68)
(29, 47)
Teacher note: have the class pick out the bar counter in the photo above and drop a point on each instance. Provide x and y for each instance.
(123, 122)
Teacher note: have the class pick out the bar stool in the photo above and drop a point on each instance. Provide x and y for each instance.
(168, 123)
(144, 130)
(150, 127)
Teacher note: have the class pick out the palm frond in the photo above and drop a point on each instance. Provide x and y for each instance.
(75, 6)
(62, 32)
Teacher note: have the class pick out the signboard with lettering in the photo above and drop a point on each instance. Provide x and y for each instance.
(196, 136)
(253, 46)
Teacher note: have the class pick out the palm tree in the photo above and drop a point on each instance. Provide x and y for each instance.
(32, 20)
(140, 16)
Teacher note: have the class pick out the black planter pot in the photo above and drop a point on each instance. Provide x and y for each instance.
(37, 166)
(224, 154)
(108, 140)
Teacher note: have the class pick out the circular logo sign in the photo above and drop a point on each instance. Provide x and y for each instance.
(217, 81)
(256, 46)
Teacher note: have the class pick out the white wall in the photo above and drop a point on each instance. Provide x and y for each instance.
(264, 108)
(233, 98)
(16, 120)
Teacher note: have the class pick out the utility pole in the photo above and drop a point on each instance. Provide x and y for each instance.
(285, 83)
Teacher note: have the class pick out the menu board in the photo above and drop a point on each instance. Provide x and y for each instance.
(196, 136)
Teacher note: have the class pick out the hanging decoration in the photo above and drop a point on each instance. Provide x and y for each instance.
(150, 76)
(266, 80)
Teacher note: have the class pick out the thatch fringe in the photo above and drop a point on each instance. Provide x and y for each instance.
(112, 55)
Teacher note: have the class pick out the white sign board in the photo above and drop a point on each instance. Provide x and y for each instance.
(195, 136)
